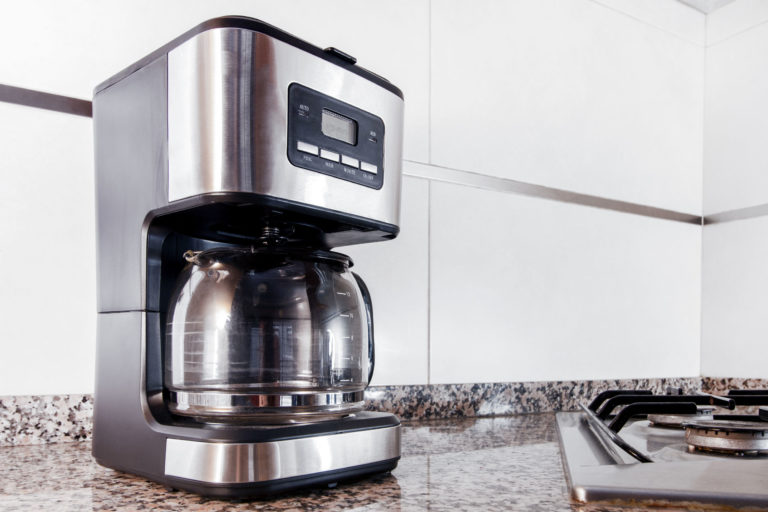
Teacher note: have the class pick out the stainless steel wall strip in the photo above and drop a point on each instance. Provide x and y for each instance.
(75, 106)
(471, 179)
(738, 214)
(44, 100)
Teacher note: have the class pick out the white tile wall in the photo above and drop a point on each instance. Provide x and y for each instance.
(734, 269)
(568, 94)
(673, 17)
(735, 302)
(527, 289)
(601, 97)
(72, 46)
(48, 292)
(396, 273)
(734, 18)
(736, 126)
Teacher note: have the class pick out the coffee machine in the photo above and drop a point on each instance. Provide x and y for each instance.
(233, 344)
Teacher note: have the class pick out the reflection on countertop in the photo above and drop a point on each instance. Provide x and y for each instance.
(501, 463)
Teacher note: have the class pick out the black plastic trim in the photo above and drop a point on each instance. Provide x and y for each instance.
(191, 430)
(305, 125)
(244, 199)
(256, 26)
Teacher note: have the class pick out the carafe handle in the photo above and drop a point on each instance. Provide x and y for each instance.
(369, 314)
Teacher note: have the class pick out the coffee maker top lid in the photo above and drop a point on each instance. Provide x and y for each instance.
(331, 54)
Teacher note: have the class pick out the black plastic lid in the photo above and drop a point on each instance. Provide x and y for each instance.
(332, 55)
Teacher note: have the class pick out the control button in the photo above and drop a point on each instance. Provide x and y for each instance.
(329, 155)
(369, 167)
(348, 160)
(307, 148)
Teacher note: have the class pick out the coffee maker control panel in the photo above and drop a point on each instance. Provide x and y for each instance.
(335, 138)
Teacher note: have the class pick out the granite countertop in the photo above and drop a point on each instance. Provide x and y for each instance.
(501, 463)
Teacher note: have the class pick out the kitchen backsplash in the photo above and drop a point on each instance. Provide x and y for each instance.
(553, 235)
(64, 418)
(538, 229)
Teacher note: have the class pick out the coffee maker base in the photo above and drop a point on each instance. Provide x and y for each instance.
(269, 461)
(270, 488)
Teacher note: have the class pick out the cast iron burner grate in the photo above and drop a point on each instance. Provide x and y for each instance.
(733, 434)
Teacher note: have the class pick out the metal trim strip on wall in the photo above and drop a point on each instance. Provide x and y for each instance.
(749, 212)
(471, 179)
(44, 100)
(80, 107)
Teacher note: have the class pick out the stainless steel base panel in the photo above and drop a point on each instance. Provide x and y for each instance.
(239, 470)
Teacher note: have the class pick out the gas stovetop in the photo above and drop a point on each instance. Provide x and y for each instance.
(634, 446)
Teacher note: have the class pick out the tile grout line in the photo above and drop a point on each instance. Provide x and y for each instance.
(648, 23)
(429, 282)
(429, 193)
(429, 81)
(736, 34)
(703, 196)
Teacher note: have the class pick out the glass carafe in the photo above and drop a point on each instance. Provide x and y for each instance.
(268, 335)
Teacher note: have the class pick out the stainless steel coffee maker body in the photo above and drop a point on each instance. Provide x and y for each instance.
(233, 130)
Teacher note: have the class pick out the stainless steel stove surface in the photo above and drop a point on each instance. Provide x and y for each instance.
(612, 453)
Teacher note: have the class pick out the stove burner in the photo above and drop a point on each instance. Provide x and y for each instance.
(725, 436)
(703, 412)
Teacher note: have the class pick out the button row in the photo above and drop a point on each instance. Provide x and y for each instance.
(333, 156)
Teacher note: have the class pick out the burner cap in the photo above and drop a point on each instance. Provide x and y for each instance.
(703, 412)
(726, 436)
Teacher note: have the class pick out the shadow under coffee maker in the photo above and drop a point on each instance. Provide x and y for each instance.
(234, 345)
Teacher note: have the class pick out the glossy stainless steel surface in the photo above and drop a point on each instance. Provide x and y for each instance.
(286, 408)
(234, 463)
(675, 475)
(131, 423)
(138, 122)
(267, 321)
(734, 437)
(228, 118)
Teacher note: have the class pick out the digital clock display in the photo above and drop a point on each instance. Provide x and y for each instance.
(339, 127)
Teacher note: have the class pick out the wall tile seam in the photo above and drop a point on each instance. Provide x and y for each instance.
(429, 282)
(736, 34)
(703, 160)
(652, 25)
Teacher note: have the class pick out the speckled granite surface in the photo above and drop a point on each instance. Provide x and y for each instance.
(47, 419)
(498, 399)
(510, 463)
(721, 385)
